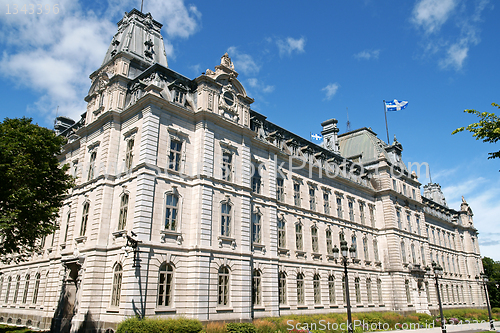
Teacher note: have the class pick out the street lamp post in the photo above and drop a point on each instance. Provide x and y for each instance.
(438, 271)
(484, 281)
(346, 252)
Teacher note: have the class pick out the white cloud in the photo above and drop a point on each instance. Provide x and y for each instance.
(243, 62)
(256, 84)
(330, 90)
(432, 14)
(483, 197)
(53, 54)
(290, 45)
(367, 54)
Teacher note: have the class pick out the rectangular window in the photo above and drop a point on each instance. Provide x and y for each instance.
(174, 159)
(329, 246)
(357, 290)
(417, 221)
(93, 157)
(372, 215)
(300, 289)
(314, 240)
(339, 207)
(256, 288)
(362, 212)
(298, 237)
(375, 250)
(365, 249)
(351, 210)
(85, 218)
(413, 193)
(326, 202)
(296, 193)
(404, 189)
(122, 220)
(227, 166)
(256, 228)
(331, 289)
(280, 190)
(394, 185)
(369, 291)
(317, 289)
(171, 210)
(312, 198)
(129, 155)
(281, 233)
(379, 291)
(225, 219)
(408, 220)
(282, 288)
(398, 215)
(256, 180)
(422, 250)
(223, 286)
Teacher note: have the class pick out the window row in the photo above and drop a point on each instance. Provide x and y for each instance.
(300, 287)
(408, 225)
(441, 237)
(16, 293)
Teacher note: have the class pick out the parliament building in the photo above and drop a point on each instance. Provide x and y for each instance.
(189, 203)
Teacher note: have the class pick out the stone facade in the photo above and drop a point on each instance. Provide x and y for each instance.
(189, 203)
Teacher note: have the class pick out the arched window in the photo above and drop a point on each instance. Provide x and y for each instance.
(117, 285)
(357, 290)
(165, 284)
(7, 291)
(85, 218)
(369, 290)
(171, 212)
(256, 287)
(344, 294)
(379, 291)
(427, 292)
(26, 288)
(226, 219)
(282, 287)
(331, 289)
(36, 289)
(317, 289)
(223, 285)
(407, 289)
(16, 290)
(300, 288)
(122, 220)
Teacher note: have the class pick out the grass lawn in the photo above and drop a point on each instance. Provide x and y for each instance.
(14, 329)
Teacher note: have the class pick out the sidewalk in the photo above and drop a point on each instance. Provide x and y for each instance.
(462, 328)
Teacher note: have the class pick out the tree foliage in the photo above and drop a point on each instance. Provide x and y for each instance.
(33, 185)
(492, 270)
(487, 129)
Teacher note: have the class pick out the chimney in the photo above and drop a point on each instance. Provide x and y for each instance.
(330, 135)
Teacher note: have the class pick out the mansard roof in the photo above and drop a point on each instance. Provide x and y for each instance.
(139, 36)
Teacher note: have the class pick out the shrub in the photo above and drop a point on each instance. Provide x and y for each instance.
(215, 327)
(240, 328)
(158, 325)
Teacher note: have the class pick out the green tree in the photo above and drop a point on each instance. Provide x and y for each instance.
(492, 271)
(33, 185)
(487, 129)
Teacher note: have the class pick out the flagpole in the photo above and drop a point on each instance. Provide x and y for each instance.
(386, 127)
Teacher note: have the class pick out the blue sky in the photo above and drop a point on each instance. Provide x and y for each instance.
(303, 63)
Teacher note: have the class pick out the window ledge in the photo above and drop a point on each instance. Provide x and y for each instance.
(259, 308)
(284, 307)
(172, 234)
(316, 255)
(226, 239)
(283, 251)
(80, 239)
(165, 310)
(378, 263)
(299, 253)
(119, 233)
(224, 309)
(259, 247)
(113, 310)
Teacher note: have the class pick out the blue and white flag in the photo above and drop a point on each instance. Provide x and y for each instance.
(316, 137)
(395, 105)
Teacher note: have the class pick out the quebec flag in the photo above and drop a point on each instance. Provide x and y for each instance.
(396, 105)
(316, 137)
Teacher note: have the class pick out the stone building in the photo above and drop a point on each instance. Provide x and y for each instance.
(189, 203)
